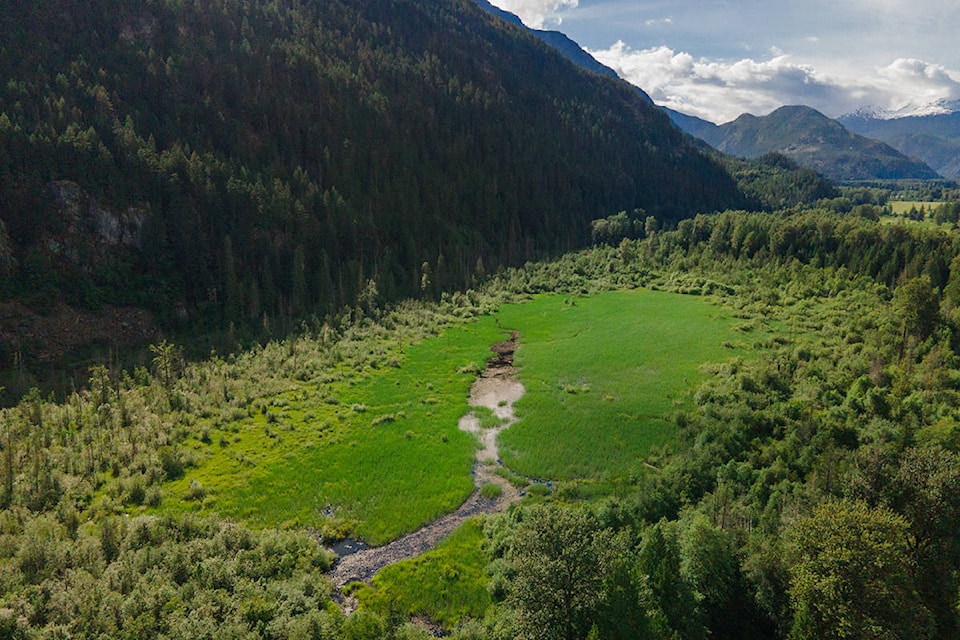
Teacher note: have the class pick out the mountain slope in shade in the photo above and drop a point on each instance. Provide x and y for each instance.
(697, 127)
(281, 159)
(561, 42)
(934, 138)
(812, 140)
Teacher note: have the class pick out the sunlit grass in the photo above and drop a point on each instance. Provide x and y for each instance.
(379, 450)
(604, 376)
(904, 206)
(377, 453)
(446, 584)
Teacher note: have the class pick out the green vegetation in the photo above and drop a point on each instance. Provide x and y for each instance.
(447, 585)
(159, 578)
(725, 526)
(793, 473)
(604, 375)
(491, 490)
(851, 548)
(773, 182)
(900, 207)
(251, 160)
(738, 424)
(380, 450)
(774, 453)
(934, 213)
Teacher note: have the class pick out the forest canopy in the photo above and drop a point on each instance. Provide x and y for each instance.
(809, 492)
(248, 158)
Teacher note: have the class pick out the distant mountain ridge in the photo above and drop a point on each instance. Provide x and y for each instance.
(812, 140)
(562, 43)
(940, 107)
(932, 134)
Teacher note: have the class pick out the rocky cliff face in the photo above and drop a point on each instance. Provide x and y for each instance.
(50, 343)
(85, 216)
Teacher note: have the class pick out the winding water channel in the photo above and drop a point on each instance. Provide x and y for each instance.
(496, 388)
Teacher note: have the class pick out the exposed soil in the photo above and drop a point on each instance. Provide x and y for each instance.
(496, 388)
(54, 350)
(62, 330)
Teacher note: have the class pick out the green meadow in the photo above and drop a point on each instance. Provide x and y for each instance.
(446, 584)
(604, 375)
(899, 207)
(376, 454)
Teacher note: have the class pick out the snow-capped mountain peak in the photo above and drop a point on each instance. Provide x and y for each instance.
(937, 108)
(871, 112)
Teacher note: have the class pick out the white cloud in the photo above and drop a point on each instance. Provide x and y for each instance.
(653, 22)
(720, 58)
(538, 13)
(911, 82)
(720, 90)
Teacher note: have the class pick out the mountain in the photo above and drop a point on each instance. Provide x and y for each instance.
(931, 134)
(697, 127)
(812, 140)
(823, 147)
(561, 42)
(917, 110)
(253, 160)
(770, 181)
(507, 16)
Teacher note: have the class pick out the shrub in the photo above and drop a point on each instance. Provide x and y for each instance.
(491, 490)
(196, 491)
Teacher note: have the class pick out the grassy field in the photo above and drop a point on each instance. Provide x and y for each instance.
(604, 376)
(377, 453)
(380, 450)
(446, 584)
(900, 207)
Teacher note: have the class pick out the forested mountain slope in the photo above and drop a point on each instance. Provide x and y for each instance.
(558, 40)
(242, 159)
(767, 182)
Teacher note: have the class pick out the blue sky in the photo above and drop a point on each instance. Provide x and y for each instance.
(717, 59)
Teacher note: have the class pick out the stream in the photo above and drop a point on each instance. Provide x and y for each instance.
(496, 388)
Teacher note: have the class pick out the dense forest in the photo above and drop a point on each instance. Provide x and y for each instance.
(243, 159)
(811, 493)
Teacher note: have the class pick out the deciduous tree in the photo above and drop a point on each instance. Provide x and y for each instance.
(852, 577)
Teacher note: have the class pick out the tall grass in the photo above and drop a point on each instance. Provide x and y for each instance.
(377, 451)
(446, 584)
(604, 376)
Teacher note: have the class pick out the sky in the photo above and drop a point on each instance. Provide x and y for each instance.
(716, 59)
